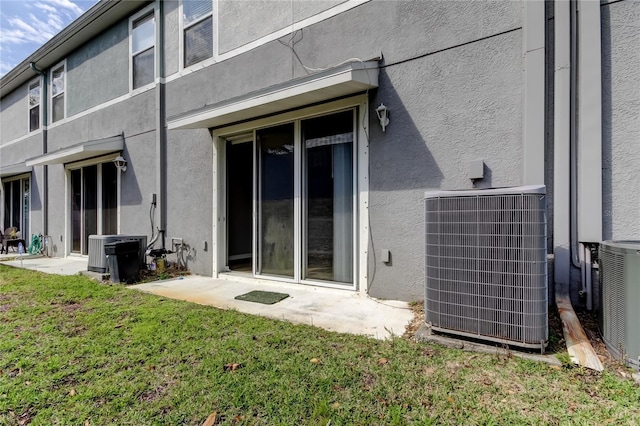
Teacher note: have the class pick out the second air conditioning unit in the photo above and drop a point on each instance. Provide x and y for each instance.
(620, 284)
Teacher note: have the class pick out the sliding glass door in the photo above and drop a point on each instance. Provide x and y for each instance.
(276, 201)
(93, 203)
(305, 200)
(328, 197)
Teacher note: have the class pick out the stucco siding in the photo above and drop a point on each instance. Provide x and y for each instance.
(98, 71)
(134, 116)
(14, 118)
(190, 195)
(241, 22)
(621, 119)
(446, 110)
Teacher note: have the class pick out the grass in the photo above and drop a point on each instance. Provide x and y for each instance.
(76, 352)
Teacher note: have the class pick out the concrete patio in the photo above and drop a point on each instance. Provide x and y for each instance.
(332, 309)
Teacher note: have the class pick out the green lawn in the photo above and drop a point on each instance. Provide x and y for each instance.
(76, 352)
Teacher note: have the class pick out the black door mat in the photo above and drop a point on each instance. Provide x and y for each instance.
(264, 297)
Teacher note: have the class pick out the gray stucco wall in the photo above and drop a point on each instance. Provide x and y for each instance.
(138, 182)
(241, 22)
(447, 109)
(133, 116)
(621, 120)
(172, 38)
(19, 151)
(14, 119)
(461, 103)
(99, 70)
(190, 195)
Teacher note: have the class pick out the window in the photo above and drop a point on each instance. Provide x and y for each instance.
(34, 105)
(197, 19)
(17, 205)
(58, 77)
(143, 42)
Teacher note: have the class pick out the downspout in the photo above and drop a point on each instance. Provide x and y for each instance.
(161, 131)
(45, 169)
(562, 135)
(580, 350)
(589, 153)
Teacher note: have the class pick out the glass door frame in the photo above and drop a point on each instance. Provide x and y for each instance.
(360, 105)
(98, 161)
(25, 217)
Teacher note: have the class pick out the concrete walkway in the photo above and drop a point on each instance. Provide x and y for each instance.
(337, 310)
(49, 265)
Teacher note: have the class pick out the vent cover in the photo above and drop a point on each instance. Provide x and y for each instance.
(98, 260)
(486, 264)
(620, 284)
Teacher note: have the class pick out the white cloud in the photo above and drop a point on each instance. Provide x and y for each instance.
(46, 7)
(66, 4)
(26, 28)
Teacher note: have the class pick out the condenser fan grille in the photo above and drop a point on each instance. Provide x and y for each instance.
(486, 265)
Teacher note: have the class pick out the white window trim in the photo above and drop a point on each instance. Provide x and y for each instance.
(29, 107)
(61, 64)
(181, 26)
(141, 14)
(361, 178)
(98, 161)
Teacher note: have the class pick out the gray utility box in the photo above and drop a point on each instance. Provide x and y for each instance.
(98, 258)
(124, 266)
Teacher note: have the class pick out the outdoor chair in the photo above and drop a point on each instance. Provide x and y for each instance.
(11, 238)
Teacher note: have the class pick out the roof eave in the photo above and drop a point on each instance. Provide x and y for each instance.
(95, 20)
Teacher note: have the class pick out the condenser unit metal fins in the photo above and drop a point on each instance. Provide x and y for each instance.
(486, 264)
(620, 286)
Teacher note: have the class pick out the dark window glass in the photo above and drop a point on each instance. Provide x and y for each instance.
(143, 68)
(34, 118)
(76, 210)
(58, 108)
(90, 204)
(276, 200)
(198, 42)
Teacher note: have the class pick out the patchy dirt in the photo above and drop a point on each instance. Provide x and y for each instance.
(416, 322)
(557, 344)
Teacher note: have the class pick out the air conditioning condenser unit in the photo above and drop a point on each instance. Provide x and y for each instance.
(486, 264)
(620, 286)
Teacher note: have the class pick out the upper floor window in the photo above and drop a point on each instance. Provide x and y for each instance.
(57, 93)
(197, 19)
(143, 42)
(34, 105)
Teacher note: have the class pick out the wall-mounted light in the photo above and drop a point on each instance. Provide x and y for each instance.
(120, 163)
(383, 116)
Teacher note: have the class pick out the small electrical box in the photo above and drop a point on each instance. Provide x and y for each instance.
(385, 255)
(476, 169)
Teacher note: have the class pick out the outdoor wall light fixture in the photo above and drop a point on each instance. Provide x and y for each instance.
(383, 116)
(120, 163)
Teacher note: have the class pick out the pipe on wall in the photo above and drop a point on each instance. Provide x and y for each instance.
(562, 144)
(45, 146)
(161, 130)
(589, 122)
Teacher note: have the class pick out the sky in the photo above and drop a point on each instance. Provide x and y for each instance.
(25, 25)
